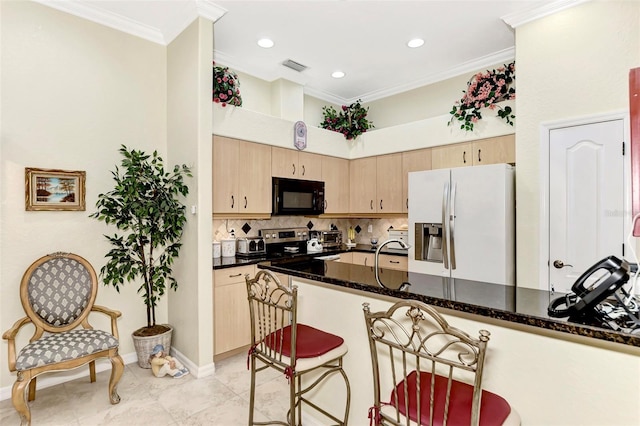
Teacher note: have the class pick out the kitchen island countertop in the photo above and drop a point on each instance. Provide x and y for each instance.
(507, 303)
(232, 262)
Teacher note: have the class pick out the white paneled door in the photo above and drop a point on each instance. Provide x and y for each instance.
(586, 199)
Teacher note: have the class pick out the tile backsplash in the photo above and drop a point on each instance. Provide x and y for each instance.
(243, 228)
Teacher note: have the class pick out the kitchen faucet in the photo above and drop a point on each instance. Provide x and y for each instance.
(392, 240)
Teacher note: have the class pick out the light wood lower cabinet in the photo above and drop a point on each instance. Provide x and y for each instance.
(387, 261)
(232, 325)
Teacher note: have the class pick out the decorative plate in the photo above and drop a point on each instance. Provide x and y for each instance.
(300, 135)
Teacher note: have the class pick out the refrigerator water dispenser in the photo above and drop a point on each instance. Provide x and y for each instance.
(428, 242)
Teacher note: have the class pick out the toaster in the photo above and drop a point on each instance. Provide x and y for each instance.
(251, 246)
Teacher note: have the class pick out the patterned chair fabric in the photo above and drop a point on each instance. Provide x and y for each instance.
(59, 290)
(57, 293)
(64, 346)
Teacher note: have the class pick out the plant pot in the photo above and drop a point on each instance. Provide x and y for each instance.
(144, 345)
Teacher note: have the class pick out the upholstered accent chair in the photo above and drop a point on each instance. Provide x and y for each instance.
(426, 372)
(58, 292)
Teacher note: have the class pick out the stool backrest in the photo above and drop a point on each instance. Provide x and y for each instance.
(411, 342)
(273, 308)
(58, 291)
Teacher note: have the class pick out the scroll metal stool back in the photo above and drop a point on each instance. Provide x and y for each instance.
(430, 372)
(58, 293)
(279, 342)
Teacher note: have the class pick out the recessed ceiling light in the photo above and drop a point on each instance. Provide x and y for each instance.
(337, 74)
(416, 42)
(265, 42)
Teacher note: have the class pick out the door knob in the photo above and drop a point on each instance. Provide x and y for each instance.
(559, 264)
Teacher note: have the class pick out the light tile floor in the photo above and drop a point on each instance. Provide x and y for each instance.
(218, 400)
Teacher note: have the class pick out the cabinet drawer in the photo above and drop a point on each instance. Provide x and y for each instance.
(393, 262)
(232, 275)
(360, 258)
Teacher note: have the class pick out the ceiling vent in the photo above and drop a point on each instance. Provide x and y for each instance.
(294, 65)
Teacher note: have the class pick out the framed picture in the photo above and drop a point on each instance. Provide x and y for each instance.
(48, 189)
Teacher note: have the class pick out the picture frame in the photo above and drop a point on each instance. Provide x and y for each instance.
(54, 190)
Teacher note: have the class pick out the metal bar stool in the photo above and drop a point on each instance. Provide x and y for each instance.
(431, 371)
(279, 342)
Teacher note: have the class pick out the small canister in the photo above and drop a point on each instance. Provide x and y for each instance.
(216, 249)
(228, 248)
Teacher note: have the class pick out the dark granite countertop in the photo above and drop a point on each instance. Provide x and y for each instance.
(231, 262)
(507, 303)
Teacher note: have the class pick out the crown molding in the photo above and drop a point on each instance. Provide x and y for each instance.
(506, 55)
(118, 22)
(209, 10)
(517, 19)
(193, 9)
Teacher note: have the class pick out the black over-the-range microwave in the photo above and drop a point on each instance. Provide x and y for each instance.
(297, 197)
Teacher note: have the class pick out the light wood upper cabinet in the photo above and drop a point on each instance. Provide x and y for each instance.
(225, 175)
(389, 183)
(413, 161)
(240, 170)
(362, 184)
(293, 164)
(376, 184)
(447, 156)
(500, 149)
(335, 174)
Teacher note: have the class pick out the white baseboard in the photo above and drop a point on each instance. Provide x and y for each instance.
(198, 372)
(52, 379)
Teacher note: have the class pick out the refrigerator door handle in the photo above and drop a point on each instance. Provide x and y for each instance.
(445, 203)
(452, 225)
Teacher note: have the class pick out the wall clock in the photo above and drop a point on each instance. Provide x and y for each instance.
(300, 135)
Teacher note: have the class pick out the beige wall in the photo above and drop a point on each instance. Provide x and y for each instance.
(424, 102)
(72, 92)
(189, 142)
(571, 64)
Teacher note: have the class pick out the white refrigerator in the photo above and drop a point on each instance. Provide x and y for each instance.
(462, 223)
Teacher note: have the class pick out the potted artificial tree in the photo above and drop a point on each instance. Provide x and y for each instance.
(145, 207)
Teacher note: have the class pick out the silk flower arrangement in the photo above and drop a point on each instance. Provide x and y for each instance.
(485, 90)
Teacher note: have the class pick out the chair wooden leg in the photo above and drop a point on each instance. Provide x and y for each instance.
(18, 397)
(32, 389)
(117, 368)
(92, 371)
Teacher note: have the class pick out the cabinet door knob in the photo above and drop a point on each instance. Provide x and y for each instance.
(303, 170)
(479, 159)
(294, 169)
(464, 157)
(371, 205)
(380, 204)
(233, 202)
(245, 201)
